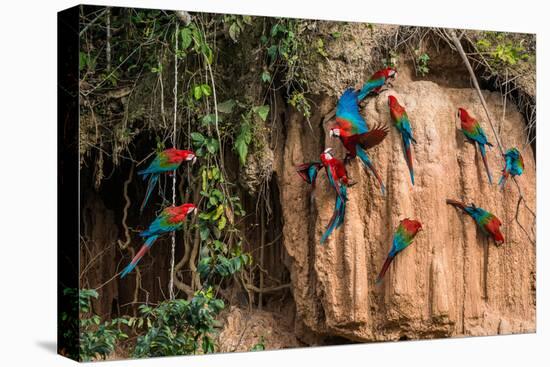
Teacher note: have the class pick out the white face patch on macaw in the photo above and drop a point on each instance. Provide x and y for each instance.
(192, 158)
(392, 73)
(327, 155)
(334, 132)
(192, 210)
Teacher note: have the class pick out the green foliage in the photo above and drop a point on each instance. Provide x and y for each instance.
(285, 48)
(299, 101)
(422, 63)
(259, 346)
(243, 140)
(246, 130)
(321, 47)
(391, 60)
(96, 339)
(222, 262)
(236, 25)
(178, 327)
(502, 49)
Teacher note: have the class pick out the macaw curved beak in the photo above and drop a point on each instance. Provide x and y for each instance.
(331, 133)
(194, 160)
(328, 150)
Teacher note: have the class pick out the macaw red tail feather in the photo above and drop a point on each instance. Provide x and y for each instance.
(142, 251)
(484, 157)
(385, 268)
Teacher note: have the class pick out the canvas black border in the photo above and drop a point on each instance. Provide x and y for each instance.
(68, 213)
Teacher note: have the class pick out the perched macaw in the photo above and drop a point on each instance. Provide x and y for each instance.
(338, 179)
(402, 123)
(166, 161)
(352, 130)
(403, 237)
(376, 82)
(170, 219)
(473, 131)
(489, 223)
(514, 165)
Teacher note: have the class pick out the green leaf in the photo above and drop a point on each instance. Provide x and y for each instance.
(197, 137)
(218, 213)
(262, 111)
(222, 222)
(242, 142)
(197, 92)
(186, 38)
(226, 106)
(212, 146)
(266, 76)
(234, 31)
(206, 90)
(204, 232)
(82, 60)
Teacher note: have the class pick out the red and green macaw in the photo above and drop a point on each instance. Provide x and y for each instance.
(403, 237)
(170, 219)
(338, 179)
(487, 222)
(403, 124)
(352, 130)
(376, 82)
(514, 165)
(473, 131)
(166, 161)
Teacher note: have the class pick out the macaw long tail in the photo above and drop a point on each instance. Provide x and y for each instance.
(142, 251)
(408, 156)
(367, 163)
(385, 268)
(457, 204)
(338, 216)
(153, 179)
(484, 157)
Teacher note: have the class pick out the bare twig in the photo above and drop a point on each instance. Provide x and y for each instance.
(92, 22)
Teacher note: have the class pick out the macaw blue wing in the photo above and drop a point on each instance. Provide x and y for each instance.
(347, 113)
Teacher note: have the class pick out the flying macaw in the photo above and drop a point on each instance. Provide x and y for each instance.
(352, 130)
(403, 237)
(170, 219)
(166, 161)
(514, 165)
(473, 131)
(338, 179)
(489, 223)
(402, 123)
(376, 82)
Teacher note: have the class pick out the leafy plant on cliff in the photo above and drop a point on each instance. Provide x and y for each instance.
(178, 327)
(96, 339)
